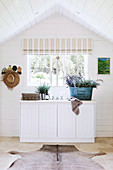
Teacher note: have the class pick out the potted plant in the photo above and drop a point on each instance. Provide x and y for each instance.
(80, 87)
(43, 90)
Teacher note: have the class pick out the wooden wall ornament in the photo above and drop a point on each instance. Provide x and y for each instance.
(11, 77)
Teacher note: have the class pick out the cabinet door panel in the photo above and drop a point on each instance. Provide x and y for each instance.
(85, 122)
(29, 120)
(48, 120)
(66, 121)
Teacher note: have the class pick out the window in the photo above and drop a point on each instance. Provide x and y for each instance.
(51, 69)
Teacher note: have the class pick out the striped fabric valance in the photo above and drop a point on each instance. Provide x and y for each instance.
(57, 46)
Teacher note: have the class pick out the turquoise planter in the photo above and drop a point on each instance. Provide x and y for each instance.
(82, 93)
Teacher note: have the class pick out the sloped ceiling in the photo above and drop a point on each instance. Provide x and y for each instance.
(19, 15)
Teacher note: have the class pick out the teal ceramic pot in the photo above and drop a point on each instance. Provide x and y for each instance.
(82, 93)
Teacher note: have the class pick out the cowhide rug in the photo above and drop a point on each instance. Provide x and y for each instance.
(55, 157)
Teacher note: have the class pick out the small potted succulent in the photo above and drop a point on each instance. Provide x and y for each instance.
(43, 91)
(80, 87)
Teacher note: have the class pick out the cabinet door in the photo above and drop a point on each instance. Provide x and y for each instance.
(48, 120)
(85, 121)
(66, 121)
(29, 120)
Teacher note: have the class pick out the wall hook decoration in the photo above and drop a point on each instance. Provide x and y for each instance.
(10, 76)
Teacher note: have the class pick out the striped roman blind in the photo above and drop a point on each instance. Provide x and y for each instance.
(57, 46)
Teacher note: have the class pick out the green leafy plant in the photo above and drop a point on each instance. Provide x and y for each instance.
(42, 89)
(86, 83)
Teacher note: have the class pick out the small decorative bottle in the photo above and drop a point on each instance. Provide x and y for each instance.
(47, 97)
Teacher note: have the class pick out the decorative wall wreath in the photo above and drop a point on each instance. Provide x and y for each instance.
(11, 76)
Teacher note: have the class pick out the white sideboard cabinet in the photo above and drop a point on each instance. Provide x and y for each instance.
(54, 121)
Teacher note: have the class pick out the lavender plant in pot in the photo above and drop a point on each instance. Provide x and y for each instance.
(80, 87)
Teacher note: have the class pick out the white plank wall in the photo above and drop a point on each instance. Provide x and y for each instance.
(55, 26)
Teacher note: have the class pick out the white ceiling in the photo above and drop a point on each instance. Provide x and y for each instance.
(18, 15)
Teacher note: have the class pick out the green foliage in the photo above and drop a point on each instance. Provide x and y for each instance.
(87, 83)
(74, 63)
(103, 65)
(42, 89)
(40, 76)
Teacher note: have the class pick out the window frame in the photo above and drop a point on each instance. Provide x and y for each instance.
(86, 75)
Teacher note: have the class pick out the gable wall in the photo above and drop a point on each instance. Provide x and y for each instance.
(55, 26)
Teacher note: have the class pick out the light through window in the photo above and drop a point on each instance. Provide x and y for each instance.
(51, 69)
